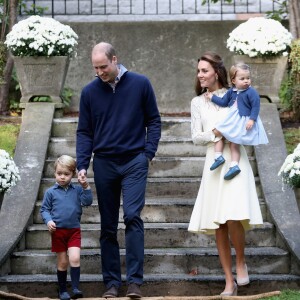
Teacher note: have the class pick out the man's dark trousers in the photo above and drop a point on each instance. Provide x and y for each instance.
(129, 176)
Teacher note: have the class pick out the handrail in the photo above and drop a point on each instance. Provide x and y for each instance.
(281, 202)
(30, 154)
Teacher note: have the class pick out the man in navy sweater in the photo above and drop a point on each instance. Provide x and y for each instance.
(120, 123)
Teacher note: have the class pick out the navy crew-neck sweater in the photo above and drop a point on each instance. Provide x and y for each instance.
(120, 122)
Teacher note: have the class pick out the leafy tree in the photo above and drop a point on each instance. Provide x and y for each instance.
(8, 19)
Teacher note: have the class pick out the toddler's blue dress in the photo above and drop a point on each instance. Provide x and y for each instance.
(233, 128)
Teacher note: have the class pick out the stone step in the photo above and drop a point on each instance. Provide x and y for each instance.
(168, 210)
(163, 235)
(171, 126)
(163, 167)
(168, 146)
(42, 285)
(158, 187)
(264, 260)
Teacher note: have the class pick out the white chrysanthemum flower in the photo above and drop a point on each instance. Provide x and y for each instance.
(9, 172)
(260, 37)
(36, 35)
(290, 169)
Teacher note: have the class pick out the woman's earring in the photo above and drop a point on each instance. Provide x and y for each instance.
(217, 77)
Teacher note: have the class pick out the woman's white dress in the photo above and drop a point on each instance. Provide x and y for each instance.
(220, 200)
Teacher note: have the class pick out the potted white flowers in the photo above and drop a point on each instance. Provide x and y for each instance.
(260, 37)
(290, 169)
(264, 45)
(41, 48)
(9, 173)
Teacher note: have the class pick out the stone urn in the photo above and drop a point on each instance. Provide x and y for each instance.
(41, 76)
(266, 74)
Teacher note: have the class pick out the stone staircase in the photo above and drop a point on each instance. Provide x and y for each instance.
(176, 262)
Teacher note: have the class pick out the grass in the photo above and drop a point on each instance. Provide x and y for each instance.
(8, 137)
(292, 138)
(285, 295)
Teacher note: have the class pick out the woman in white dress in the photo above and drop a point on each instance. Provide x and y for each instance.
(224, 208)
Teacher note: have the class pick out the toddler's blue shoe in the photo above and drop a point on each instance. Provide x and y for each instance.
(77, 294)
(233, 171)
(64, 296)
(218, 162)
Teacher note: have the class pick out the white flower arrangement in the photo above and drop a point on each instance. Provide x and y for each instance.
(260, 37)
(41, 36)
(290, 169)
(9, 172)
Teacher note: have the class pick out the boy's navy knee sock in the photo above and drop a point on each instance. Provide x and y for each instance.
(75, 277)
(62, 281)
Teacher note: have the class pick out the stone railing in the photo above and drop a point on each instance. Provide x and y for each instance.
(151, 9)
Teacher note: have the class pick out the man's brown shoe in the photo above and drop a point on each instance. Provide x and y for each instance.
(134, 291)
(112, 292)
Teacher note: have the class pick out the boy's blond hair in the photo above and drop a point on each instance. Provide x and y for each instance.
(233, 70)
(66, 161)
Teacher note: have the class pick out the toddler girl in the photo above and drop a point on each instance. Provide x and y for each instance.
(242, 126)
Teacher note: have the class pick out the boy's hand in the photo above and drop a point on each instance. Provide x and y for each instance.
(51, 226)
(249, 124)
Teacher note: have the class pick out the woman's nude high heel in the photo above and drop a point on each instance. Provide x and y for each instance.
(243, 280)
(233, 293)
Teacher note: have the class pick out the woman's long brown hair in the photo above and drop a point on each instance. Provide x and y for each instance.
(217, 63)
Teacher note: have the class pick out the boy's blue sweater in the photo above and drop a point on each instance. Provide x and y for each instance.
(64, 207)
(117, 123)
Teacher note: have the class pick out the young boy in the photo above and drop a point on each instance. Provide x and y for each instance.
(61, 211)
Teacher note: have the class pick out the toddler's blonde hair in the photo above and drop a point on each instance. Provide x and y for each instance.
(233, 70)
(66, 161)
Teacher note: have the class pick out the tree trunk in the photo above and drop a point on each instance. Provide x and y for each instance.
(294, 18)
(4, 88)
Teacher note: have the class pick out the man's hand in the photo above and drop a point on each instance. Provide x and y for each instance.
(82, 178)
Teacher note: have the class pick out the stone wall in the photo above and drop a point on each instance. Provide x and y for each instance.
(166, 52)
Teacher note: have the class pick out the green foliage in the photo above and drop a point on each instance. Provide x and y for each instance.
(66, 97)
(286, 93)
(295, 60)
(8, 137)
(281, 13)
(290, 90)
(292, 139)
(41, 99)
(285, 295)
(32, 9)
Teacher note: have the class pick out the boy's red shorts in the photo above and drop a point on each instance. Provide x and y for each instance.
(64, 238)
